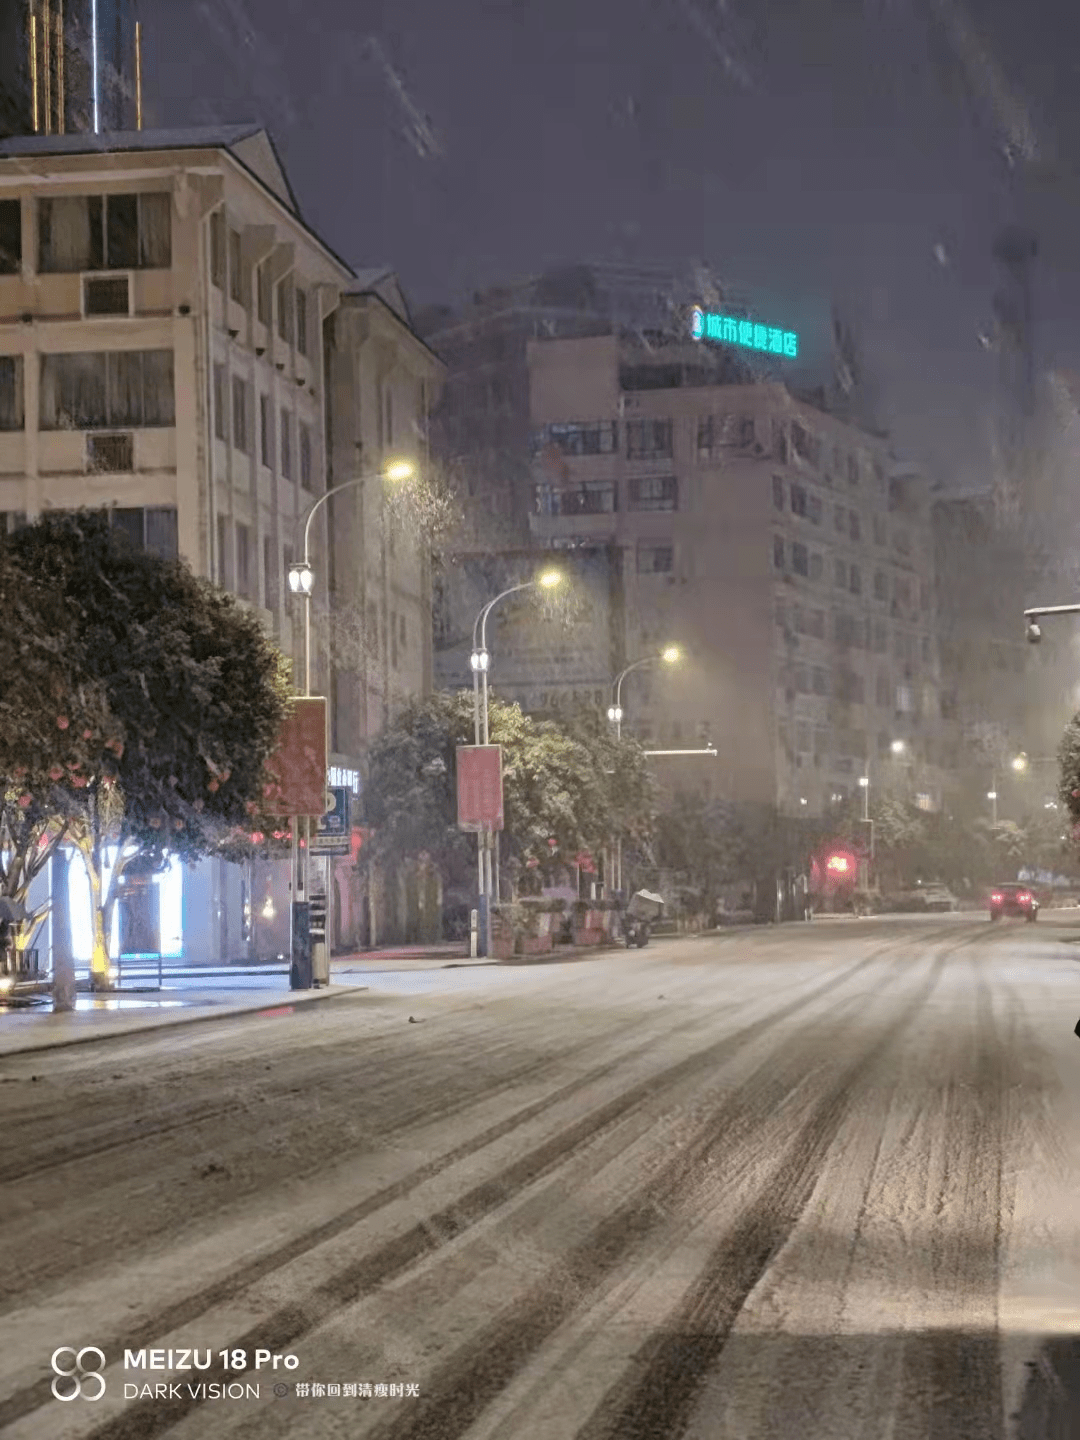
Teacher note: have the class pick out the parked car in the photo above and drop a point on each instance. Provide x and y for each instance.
(938, 898)
(1010, 899)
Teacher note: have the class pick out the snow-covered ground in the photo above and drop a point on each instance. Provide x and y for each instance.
(803, 1183)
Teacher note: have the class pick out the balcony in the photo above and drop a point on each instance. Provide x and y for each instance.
(596, 497)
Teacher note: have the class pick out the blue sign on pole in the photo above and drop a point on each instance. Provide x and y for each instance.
(333, 833)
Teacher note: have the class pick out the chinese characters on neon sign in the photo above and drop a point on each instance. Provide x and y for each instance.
(707, 325)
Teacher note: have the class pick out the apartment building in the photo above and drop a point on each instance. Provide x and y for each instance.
(167, 353)
(780, 545)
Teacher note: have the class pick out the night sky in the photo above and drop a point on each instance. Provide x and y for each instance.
(805, 149)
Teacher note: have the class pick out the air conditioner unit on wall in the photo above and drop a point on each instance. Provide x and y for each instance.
(110, 454)
(108, 294)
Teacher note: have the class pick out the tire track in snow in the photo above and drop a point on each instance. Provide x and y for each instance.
(643, 1408)
(146, 1420)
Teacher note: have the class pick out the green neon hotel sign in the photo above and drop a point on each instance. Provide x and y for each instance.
(708, 325)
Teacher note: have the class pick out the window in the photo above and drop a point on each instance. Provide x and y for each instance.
(854, 528)
(11, 392)
(840, 574)
(853, 470)
(10, 237)
(105, 232)
(781, 449)
(152, 529)
(855, 580)
(806, 446)
(821, 681)
(798, 499)
(243, 560)
(817, 565)
(102, 391)
(778, 552)
(655, 559)
(301, 322)
(306, 479)
(217, 249)
(881, 694)
(286, 444)
(266, 415)
(271, 590)
(654, 492)
(11, 520)
(264, 297)
(285, 310)
(597, 437)
(845, 629)
(592, 497)
(813, 510)
(236, 268)
(881, 585)
(240, 437)
(224, 567)
(220, 418)
(800, 559)
(840, 519)
(881, 638)
(402, 632)
(648, 439)
(778, 492)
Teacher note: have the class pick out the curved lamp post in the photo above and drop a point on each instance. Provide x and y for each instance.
(669, 655)
(301, 575)
(301, 579)
(480, 664)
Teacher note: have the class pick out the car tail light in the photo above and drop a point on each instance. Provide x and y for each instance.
(996, 898)
(1025, 898)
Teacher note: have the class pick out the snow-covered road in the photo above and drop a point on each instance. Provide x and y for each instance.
(803, 1183)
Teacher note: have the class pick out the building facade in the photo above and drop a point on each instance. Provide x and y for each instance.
(69, 65)
(167, 352)
(781, 546)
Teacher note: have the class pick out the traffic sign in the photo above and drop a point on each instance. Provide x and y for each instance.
(332, 833)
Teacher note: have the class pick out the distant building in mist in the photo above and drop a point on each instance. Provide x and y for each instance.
(782, 547)
(68, 65)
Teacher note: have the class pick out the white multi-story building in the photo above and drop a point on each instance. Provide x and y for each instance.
(167, 352)
(781, 546)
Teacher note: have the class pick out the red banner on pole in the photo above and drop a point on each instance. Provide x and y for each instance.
(479, 787)
(296, 771)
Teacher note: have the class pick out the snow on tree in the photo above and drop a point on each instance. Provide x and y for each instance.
(162, 699)
(566, 791)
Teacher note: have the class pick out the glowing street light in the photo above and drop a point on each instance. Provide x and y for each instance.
(670, 655)
(480, 664)
(898, 747)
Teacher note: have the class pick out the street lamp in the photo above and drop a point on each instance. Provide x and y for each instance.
(480, 664)
(898, 747)
(670, 655)
(301, 579)
(992, 796)
(301, 575)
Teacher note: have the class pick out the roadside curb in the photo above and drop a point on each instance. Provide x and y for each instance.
(170, 1022)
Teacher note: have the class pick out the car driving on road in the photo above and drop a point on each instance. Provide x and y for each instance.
(1018, 900)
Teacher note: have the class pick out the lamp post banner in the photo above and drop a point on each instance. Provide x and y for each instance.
(479, 787)
(296, 771)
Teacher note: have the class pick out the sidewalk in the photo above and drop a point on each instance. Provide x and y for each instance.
(194, 993)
